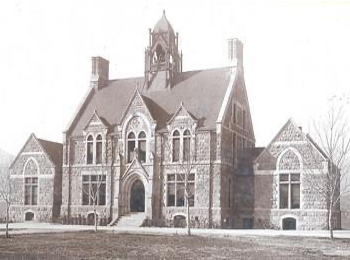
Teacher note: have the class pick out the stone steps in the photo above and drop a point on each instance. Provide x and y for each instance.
(131, 220)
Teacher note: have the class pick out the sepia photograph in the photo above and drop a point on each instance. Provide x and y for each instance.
(174, 129)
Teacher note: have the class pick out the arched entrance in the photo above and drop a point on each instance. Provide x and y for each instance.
(137, 197)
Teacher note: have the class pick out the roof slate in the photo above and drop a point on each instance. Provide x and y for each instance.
(202, 93)
(53, 150)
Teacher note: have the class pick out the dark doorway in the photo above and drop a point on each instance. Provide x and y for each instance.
(29, 216)
(289, 224)
(137, 197)
(180, 221)
(91, 219)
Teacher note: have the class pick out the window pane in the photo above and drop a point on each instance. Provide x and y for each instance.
(89, 153)
(181, 177)
(176, 149)
(171, 194)
(187, 149)
(180, 192)
(191, 194)
(284, 177)
(283, 196)
(99, 152)
(142, 151)
(171, 177)
(34, 195)
(93, 178)
(102, 194)
(27, 195)
(131, 135)
(86, 194)
(295, 196)
(295, 177)
(85, 178)
(191, 177)
(142, 135)
(131, 148)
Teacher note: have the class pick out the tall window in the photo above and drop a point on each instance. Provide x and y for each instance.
(187, 145)
(176, 189)
(131, 146)
(90, 149)
(289, 190)
(31, 191)
(94, 189)
(142, 147)
(99, 149)
(176, 146)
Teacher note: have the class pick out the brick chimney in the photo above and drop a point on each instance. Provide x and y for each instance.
(99, 73)
(235, 53)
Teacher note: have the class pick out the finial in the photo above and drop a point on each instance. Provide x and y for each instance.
(164, 12)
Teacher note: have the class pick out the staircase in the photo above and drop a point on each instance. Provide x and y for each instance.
(133, 219)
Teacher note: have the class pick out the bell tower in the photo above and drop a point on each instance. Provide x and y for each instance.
(162, 58)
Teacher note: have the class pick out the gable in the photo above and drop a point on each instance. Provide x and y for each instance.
(95, 124)
(182, 119)
(137, 106)
(45, 153)
(290, 137)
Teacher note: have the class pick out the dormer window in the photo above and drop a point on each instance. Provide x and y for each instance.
(90, 150)
(176, 146)
(186, 145)
(99, 149)
(131, 146)
(142, 147)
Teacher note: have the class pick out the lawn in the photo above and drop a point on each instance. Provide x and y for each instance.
(105, 245)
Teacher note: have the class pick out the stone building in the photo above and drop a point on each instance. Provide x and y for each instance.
(130, 136)
(37, 176)
(284, 175)
(134, 144)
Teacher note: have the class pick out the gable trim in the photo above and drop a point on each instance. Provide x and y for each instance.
(136, 93)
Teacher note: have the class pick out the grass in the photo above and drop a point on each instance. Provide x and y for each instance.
(105, 245)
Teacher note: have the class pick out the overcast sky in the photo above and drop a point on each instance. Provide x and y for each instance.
(296, 56)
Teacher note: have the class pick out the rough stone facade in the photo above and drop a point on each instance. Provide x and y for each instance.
(291, 152)
(213, 148)
(38, 159)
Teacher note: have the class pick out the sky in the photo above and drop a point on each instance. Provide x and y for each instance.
(296, 56)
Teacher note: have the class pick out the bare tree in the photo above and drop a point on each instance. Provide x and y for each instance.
(182, 170)
(333, 135)
(7, 193)
(93, 188)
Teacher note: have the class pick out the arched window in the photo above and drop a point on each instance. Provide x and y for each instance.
(131, 146)
(289, 181)
(99, 149)
(186, 145)
(176, 146)
(142, 147)
(90, 150)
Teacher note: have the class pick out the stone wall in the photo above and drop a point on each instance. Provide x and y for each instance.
(291, 152)
(33, 162)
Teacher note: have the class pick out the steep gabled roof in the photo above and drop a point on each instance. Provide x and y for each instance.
(301, 134)
(201, 91)
(54, 151)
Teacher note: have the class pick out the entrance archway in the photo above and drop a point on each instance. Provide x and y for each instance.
(137, 197)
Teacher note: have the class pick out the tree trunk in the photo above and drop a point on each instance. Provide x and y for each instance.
(95, 216)
(7, 221)
(330, 222)
(188, 219)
